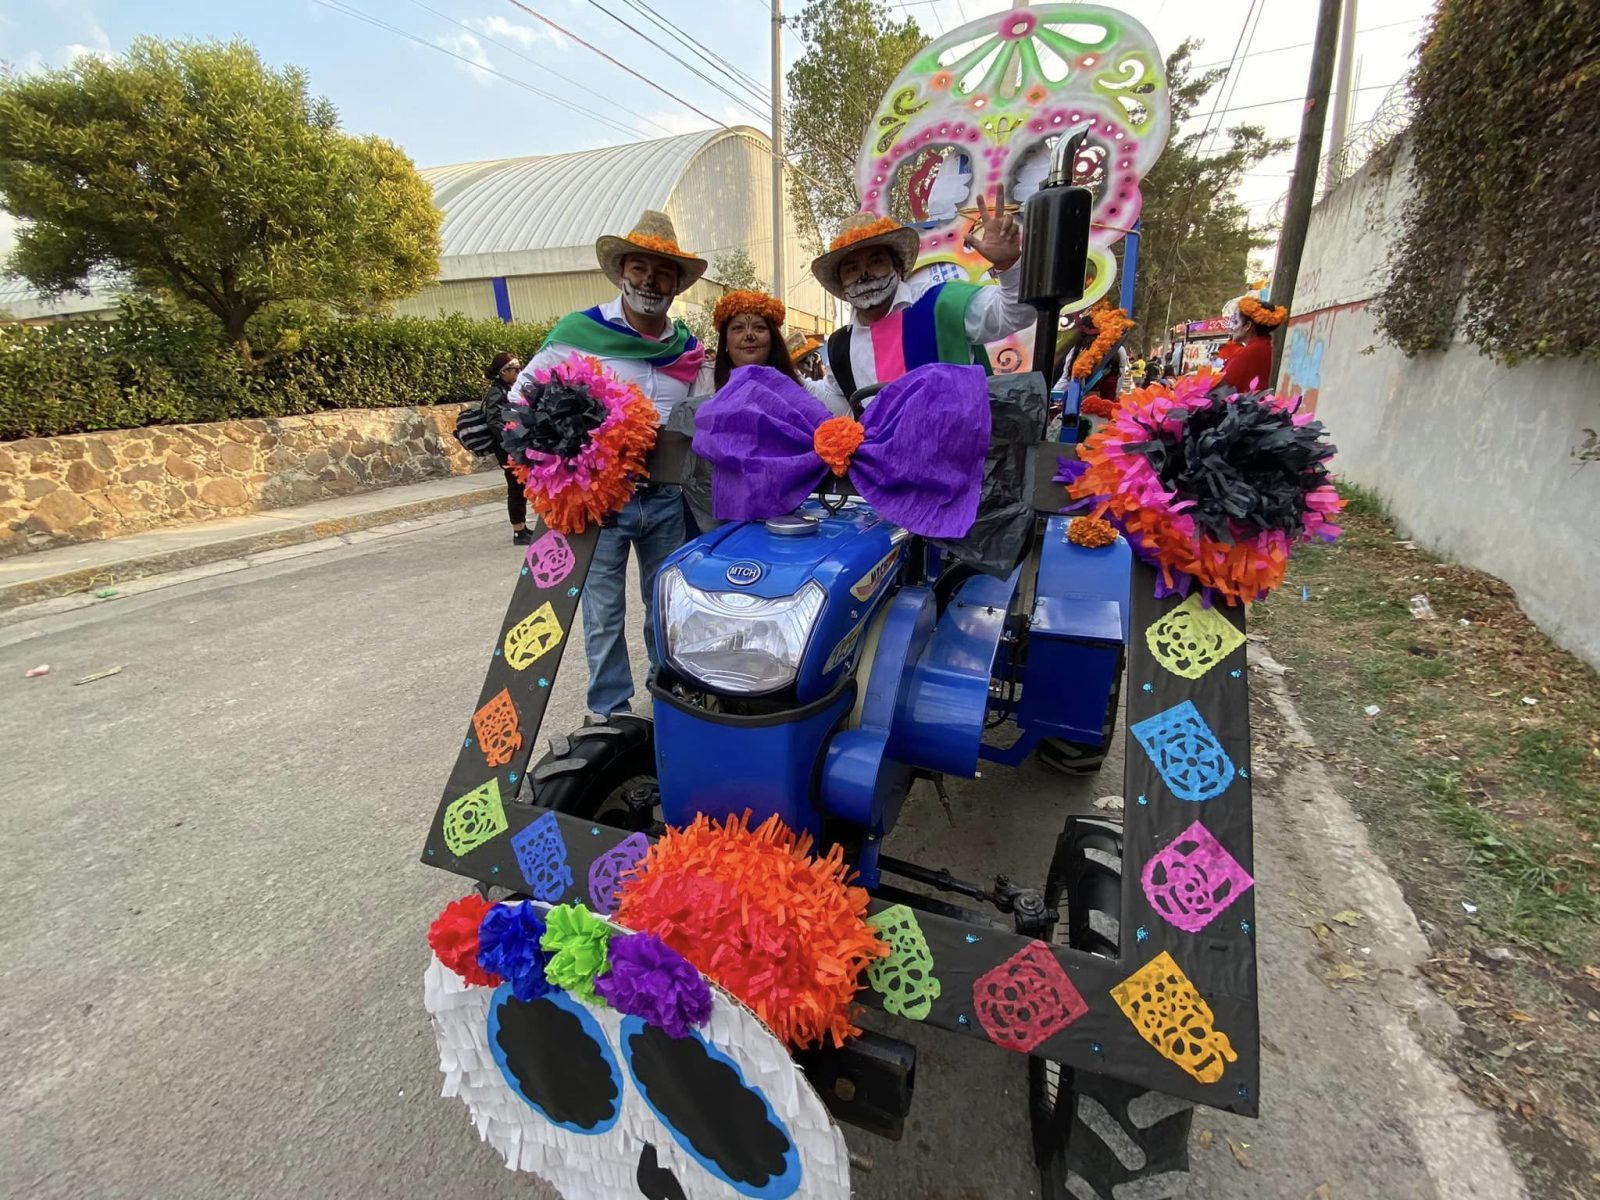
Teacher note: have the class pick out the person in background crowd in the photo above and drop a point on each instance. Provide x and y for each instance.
(1249, 369)
(803, 352)
(502, 373)
(634, 338)
(898, 326)
(749, 333)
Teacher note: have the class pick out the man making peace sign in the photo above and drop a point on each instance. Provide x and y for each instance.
(899, 326)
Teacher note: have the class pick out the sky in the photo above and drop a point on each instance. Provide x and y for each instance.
(424, 80)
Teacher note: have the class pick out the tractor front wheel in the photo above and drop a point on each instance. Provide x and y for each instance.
(1094, 1135)
(605, 769)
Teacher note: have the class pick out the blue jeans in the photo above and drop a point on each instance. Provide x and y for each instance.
(653, 524)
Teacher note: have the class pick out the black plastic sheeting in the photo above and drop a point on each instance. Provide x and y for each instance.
(1018, 407)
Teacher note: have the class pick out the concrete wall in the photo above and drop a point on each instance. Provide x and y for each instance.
(1496, 467)
(100, 485)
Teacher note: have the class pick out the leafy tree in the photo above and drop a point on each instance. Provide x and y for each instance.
(854, 49)
(736, 272)
(193, 170)
(1196, 237)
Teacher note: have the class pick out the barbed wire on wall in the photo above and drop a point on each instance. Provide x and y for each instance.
(1392, 118)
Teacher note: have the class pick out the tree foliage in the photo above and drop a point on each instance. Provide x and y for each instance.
(735, 271)
(1505, 165)
(192, 169)
(1196, 237)
(854, 49)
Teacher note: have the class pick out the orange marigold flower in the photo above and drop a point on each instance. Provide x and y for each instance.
(1261, 314)
(1110, 325)
(876, 228)
(1097, 406)
(1090, 532)
(836, 440)
(759, 303)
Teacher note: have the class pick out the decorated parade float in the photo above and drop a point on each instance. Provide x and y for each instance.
(655, 989)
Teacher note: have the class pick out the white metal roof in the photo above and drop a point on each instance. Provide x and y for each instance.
(527, 216)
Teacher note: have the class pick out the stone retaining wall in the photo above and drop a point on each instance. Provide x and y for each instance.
(101, 485)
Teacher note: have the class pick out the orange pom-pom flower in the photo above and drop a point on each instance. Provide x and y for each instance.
(836, 440)
(762, 918)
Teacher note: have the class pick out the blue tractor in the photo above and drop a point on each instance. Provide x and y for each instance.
(818, 664)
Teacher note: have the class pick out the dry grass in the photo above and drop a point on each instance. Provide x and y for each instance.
(1480, 777)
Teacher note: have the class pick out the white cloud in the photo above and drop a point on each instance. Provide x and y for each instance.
(471, 49)
(526, 36)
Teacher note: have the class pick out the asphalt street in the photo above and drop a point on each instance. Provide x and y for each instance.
(213, 942)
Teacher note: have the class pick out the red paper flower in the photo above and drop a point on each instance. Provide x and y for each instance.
(762, 918)
(454, 938)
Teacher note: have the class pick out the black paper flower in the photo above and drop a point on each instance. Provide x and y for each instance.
(557, 418)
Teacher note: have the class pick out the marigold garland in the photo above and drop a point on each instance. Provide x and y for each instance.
(571, 492)
(1111, 325)
(1097, 406)
(1258, 313)
(734, 304)
(1091, 533)
(656, 245)
(836, 440)
(1211, 490)
(762, 918)
(861, 233)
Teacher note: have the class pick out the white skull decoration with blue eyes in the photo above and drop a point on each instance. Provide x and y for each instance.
(981, 107)
(603, 1106)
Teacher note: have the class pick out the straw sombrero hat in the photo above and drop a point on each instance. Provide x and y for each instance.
(801, 344)
(865, 229)
(653, 234)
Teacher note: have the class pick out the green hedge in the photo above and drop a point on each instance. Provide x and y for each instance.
(152, 367)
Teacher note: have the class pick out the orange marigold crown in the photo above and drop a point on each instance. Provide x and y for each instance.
(735, 303)
(1261, 314)
(861, 233)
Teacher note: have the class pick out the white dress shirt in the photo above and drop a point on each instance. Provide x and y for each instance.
(995, 312)
(661, 389)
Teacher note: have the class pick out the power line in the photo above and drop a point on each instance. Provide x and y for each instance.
(710, 57)
(1303, 45)
(347, 10)
(743, 101)
(512, 50)
(1234, 74)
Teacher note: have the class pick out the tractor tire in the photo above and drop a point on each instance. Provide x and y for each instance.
(1097, 1138)
(585, 772)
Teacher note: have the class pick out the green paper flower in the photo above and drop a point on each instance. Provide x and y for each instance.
(576, 941)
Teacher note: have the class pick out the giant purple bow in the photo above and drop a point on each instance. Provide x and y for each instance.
(920, 462)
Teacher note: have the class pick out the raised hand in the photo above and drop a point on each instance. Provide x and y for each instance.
(996, 236)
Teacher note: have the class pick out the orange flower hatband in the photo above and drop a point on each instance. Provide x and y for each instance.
(657, 245)
(759, 303)
(861, 233)
(1258, 313)
(836, 440)
(1110, 325)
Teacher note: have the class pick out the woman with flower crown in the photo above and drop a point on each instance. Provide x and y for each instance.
(1250, 367)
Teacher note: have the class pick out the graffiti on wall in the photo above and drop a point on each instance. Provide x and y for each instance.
(1302, 362)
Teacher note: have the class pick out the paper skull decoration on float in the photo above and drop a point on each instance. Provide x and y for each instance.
(603, 1106)
(982, 106)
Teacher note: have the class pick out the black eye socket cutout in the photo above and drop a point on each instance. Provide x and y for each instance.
(555, 1056)
(699, 1095)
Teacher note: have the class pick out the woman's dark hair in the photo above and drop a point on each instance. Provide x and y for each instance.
(777, 353)
(500, 360)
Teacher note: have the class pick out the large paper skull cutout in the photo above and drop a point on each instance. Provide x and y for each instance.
(982, 105)
(603, 1106)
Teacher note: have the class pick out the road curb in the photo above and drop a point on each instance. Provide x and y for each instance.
(66, 583)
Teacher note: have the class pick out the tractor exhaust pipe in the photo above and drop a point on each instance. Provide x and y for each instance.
(1055, 248)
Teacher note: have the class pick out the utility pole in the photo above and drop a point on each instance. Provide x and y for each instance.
(1343, 93)
(777, 149)
(1303, 187)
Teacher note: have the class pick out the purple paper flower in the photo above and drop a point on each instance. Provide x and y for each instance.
(648, 979)
(508, 946)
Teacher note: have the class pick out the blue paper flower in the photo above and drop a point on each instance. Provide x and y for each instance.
(508, 946)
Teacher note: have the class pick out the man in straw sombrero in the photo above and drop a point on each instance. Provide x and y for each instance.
(898, 326)
(634, 338)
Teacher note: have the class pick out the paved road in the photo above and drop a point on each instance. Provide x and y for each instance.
(213, 938)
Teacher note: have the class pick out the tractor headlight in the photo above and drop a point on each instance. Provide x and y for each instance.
(735, 642)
